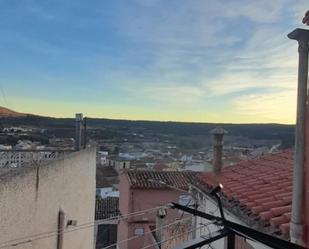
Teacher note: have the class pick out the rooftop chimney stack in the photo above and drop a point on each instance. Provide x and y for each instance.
(218, 134)
(78, 130)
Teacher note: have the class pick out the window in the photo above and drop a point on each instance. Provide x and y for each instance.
(139, 231)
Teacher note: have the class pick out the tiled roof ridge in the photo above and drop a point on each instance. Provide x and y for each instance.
(140, 179)
(258, 191)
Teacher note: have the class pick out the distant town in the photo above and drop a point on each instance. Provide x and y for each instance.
(136, 156)
(144, 145)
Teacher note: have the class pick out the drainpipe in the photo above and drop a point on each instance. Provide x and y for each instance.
(297, 216)
(61, 217)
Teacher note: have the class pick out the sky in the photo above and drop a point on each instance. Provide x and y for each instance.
(176, 60)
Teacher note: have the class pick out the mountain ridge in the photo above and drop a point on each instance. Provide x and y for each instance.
(6, 112)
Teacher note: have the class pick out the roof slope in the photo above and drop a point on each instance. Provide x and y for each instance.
(260, 191)
(150, 179)
(106, 208)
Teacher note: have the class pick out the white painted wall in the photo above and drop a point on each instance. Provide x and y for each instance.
(30, 201)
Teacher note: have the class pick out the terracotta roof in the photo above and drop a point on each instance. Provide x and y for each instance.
(150, 179)
(259, 190)
(106, 208)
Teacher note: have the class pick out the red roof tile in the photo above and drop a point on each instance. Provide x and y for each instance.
(151, 179)
(263, 186)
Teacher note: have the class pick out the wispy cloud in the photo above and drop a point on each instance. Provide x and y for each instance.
(229, 55)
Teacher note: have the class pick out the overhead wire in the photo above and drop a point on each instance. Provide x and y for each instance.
(149, 232)
(183, 212)
(44, 235)
(72, 230)
(176, 236)
(82, 226)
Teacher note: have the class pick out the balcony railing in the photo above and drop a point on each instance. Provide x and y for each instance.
(18, 158)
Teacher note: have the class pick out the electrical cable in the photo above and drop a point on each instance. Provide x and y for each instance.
(85, 225)
(176, 236)
(182, 214)
(149, 232)
(173, 237)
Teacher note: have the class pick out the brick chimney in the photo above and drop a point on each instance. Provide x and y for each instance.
(218, 134)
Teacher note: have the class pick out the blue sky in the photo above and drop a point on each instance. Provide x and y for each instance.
(198, 60)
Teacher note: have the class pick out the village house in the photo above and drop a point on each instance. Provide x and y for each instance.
(150, 190)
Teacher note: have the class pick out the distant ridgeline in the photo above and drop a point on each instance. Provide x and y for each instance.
(116, 128)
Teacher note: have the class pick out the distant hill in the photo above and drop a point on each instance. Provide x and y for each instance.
(5, 112)
(65, 127)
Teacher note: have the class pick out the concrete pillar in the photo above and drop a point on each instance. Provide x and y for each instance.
(78, 130)
(297, 216)
(218, 134)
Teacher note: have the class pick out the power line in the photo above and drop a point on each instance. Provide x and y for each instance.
(28, 240)
(149, 232)
(45, 237)
(40, 236)
(82, 226)
(176, 236)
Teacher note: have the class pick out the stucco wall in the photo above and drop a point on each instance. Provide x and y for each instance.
(134, 200)
(31, 200)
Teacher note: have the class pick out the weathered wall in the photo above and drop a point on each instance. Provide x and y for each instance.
(135, 200)
(31, 200)
(176, 234)
(124, 207)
